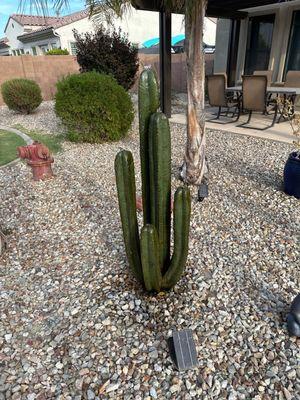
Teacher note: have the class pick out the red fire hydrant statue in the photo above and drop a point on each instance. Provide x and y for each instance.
(39, 159)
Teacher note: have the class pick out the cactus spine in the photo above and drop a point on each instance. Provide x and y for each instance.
(149, 256)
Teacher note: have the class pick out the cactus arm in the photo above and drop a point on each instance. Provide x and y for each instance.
(160, 183)
(125, 178)
(182, 213)
(148, 104)
(150, 258)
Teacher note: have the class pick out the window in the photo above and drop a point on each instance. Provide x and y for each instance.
(293, 54)
(44, 48)
(73, 48)
(53, 45)
(34, 52)
(259, 43)
(22, 51)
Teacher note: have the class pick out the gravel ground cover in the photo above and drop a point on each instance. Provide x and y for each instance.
(75, 325)
(43, 119)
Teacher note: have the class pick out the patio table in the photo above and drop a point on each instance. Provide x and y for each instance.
(288, 93)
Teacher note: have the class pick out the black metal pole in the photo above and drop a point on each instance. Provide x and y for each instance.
(233, 51)
(165, 31)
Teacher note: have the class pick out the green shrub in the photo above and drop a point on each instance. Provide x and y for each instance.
(21, 95)
(57, 52)
(93, 107)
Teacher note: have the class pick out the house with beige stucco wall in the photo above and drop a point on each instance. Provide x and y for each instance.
(267, 39)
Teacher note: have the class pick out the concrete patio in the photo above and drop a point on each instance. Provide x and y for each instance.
(281, 132)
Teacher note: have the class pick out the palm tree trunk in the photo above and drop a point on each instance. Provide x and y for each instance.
(195, 169)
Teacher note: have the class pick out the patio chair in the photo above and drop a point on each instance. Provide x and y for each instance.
(217, 96)
(255, 97)
(268, 73)
(292, 79)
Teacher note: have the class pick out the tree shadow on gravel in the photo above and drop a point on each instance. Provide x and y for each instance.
(256, 173)
(261, 210)
(267, 299)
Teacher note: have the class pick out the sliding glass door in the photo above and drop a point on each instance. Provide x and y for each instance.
(293, 53)
(259, 43)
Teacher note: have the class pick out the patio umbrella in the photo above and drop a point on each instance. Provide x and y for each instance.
(150, 42)
(155, 41)
(176, 39)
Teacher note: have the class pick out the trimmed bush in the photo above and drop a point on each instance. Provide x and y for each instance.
(93, 107)
(109, 53)
(57, 52)
(22, 95)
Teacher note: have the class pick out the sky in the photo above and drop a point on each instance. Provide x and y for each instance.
(8, 7)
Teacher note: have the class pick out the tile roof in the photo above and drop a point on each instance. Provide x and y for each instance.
(68, 19)
(34, 20)
(54, 22)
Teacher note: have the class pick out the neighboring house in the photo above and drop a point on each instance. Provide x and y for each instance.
(268, 39)
(35, 35)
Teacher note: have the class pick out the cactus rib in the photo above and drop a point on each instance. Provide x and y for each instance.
(125, 178)
(160, 183)
(148, 104)
(182, 213)
(150, 258)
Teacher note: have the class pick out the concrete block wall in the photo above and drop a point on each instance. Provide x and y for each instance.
(179, 83)
(45, 70)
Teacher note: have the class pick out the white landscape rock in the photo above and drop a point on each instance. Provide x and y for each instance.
(65, 253)
(8, 337)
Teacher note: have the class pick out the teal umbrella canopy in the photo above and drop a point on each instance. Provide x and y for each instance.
(176, 39)
(151, 42)
(155, 41)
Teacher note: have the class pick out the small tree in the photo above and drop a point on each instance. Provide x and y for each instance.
(108, 52)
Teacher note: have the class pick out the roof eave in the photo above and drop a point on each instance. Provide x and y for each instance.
(38, 35)
(152, 5)
(11, 17)
(235, 8)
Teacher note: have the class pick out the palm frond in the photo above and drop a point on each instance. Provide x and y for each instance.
(108, 10)
(42, 7)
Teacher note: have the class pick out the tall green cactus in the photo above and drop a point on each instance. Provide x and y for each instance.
(149, 256)
(148, 104)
